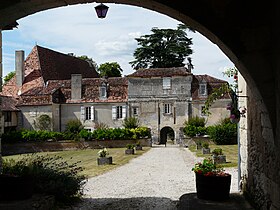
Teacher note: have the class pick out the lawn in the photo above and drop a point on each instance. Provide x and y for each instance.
(88, 159)
(231, 152)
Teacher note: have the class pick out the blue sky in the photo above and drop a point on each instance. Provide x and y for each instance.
(76, 29)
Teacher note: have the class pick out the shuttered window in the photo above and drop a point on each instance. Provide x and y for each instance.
(118, 112)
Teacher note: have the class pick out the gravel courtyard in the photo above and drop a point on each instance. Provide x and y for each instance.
(155, 180)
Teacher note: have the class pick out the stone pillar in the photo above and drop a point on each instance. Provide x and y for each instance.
(19, 65)
(76, 86)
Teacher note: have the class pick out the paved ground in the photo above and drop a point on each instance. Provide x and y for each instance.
(160, 179)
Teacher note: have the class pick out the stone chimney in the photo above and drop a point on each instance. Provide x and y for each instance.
(76, 86)
(19, 67)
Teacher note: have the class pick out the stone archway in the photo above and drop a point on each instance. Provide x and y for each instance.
(166, 133)
(247, 33)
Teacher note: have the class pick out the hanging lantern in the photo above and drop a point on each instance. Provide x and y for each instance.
(101, 10)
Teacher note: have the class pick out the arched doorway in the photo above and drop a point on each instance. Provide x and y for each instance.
(167, 134)
(251, 41)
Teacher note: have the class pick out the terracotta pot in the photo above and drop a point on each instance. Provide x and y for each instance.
(15, 187)
(213, 187)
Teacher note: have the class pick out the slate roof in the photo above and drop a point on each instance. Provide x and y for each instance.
(160, 72)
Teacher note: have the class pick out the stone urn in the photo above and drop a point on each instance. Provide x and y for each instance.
(129, 151)
(138, 147)
(205, 150)
(104, 160)
(219, 159)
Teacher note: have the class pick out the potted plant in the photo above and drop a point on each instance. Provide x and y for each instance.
(205, 148)
(138, 146)
(129, 149)
(218, 156)
(212, 182)
(103, 159)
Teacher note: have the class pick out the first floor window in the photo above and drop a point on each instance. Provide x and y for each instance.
(135, 111)
(87, 113)
(118, 112)
(8, 116)
(167, 108)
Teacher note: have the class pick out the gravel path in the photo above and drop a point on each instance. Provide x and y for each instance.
(155, 180)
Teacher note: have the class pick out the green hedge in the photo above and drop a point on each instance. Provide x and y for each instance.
(99, 134)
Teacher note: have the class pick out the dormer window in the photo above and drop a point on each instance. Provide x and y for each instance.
(203, 88)
(103, 90)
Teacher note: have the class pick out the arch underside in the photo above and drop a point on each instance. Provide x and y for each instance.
(248, 33)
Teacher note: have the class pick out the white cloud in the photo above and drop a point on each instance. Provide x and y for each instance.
(76, 29)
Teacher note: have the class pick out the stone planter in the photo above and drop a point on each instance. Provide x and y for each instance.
(138, 147)
(104, 160)
(129, 151)
(213, 187)
(15, 187)
(219, 159)
(205, 150)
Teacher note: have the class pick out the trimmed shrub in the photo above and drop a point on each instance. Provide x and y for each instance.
(131, 122)
(44, 122)
(195, 126)
(51, 175)
(223, 134)
(74, 126)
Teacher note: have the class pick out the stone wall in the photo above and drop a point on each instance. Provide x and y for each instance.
(259, 155)
(22, 148)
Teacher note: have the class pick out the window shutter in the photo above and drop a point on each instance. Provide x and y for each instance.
(114, 112)
(92, 113)
(82, 113)
(123, 112)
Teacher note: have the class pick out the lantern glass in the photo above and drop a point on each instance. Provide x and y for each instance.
(101, 10)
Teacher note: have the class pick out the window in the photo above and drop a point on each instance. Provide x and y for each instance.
(167, 108)
(8, 116)
(103, 90)
(203, 89)
(118, 112)
(166, 83)
(135, 111)
(87, 113)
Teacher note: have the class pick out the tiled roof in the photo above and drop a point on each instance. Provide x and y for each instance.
(43, 64)
(59, 66)
(59, 91)
(160, 72)
(212, 83)
(8, 103)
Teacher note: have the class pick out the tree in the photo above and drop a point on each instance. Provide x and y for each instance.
(163, 48)
(44, 122)
(89, 60)
(9, 76)
(112, 69)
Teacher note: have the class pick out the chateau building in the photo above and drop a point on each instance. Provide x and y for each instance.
(65, 88)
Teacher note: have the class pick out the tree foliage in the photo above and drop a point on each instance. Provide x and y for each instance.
(163, 48)
(110, 69)
(219, 92)
(89, 60)
(9, 76)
